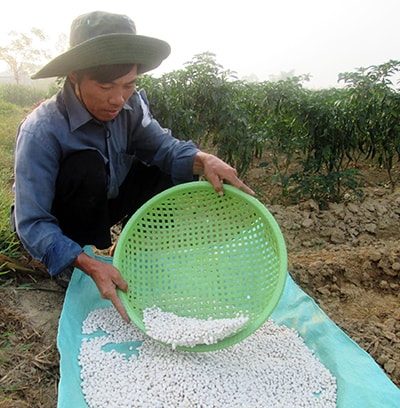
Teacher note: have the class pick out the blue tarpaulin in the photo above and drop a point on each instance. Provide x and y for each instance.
(361, 382)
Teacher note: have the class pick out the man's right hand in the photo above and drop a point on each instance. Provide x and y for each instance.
(107, 279)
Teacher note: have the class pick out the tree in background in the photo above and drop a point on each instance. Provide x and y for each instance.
(22, 55)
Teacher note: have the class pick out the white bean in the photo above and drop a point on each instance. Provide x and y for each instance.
(175, 330)
(272, 367)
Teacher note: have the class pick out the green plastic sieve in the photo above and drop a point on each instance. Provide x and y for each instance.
(196, 254)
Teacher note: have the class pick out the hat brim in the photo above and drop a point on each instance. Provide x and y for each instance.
(146, 52)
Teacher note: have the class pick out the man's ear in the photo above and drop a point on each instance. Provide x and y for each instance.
(73, 77)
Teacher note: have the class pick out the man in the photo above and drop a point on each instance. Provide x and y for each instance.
(93, 154)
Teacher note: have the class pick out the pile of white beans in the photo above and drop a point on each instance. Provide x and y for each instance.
(271, 368)
(176, 330)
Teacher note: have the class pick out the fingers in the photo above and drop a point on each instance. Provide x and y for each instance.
(217, 180)
(111, 294)
(120, 283)
(108, 279)
(244, 187)
(217, 172)
(216, 183)
(116, 301)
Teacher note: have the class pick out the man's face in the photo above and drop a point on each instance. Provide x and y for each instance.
(105, 100)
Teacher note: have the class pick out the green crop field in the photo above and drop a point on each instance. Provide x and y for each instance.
(10, 116)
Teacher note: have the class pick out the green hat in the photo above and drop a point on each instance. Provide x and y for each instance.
(100, 38)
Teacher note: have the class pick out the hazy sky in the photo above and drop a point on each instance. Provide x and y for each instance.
(253, 37)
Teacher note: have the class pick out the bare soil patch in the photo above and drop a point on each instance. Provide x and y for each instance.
(347, 257)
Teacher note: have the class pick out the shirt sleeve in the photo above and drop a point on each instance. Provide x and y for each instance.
(34, 186)
(156, 146)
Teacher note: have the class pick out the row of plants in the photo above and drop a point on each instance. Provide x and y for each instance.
(314, 140)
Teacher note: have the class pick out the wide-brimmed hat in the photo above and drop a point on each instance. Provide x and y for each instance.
(100, 38)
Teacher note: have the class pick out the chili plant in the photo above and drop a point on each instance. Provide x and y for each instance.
(375, 98)
(327, 172)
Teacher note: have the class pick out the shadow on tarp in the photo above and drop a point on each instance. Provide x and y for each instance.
(361, 382)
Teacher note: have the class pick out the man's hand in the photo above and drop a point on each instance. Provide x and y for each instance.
(107, 279)
(216, 171)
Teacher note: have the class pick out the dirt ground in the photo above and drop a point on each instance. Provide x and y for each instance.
(347, 257)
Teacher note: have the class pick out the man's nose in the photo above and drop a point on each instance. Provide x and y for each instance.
(117, 98)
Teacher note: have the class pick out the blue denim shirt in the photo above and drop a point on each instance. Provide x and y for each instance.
(61, 126)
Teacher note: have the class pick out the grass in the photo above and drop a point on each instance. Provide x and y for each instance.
(10, 117)
(15, 102)
(13, 257)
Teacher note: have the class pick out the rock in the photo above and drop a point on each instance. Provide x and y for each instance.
(353, 208)
(354, 231)
(386, 269)
(382, 360)
(371, 228)
(365, 276)
(337, 210)
(324, 290)
(316, 266)
(383, 284)
(394, 286)
(310, 205)
(369, 206)
(337, 236)
(381, 210)
(389, 366)
(390, 324)
(307, 223)
(375, 256)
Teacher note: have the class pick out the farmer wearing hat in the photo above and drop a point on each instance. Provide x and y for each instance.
(93, 154)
